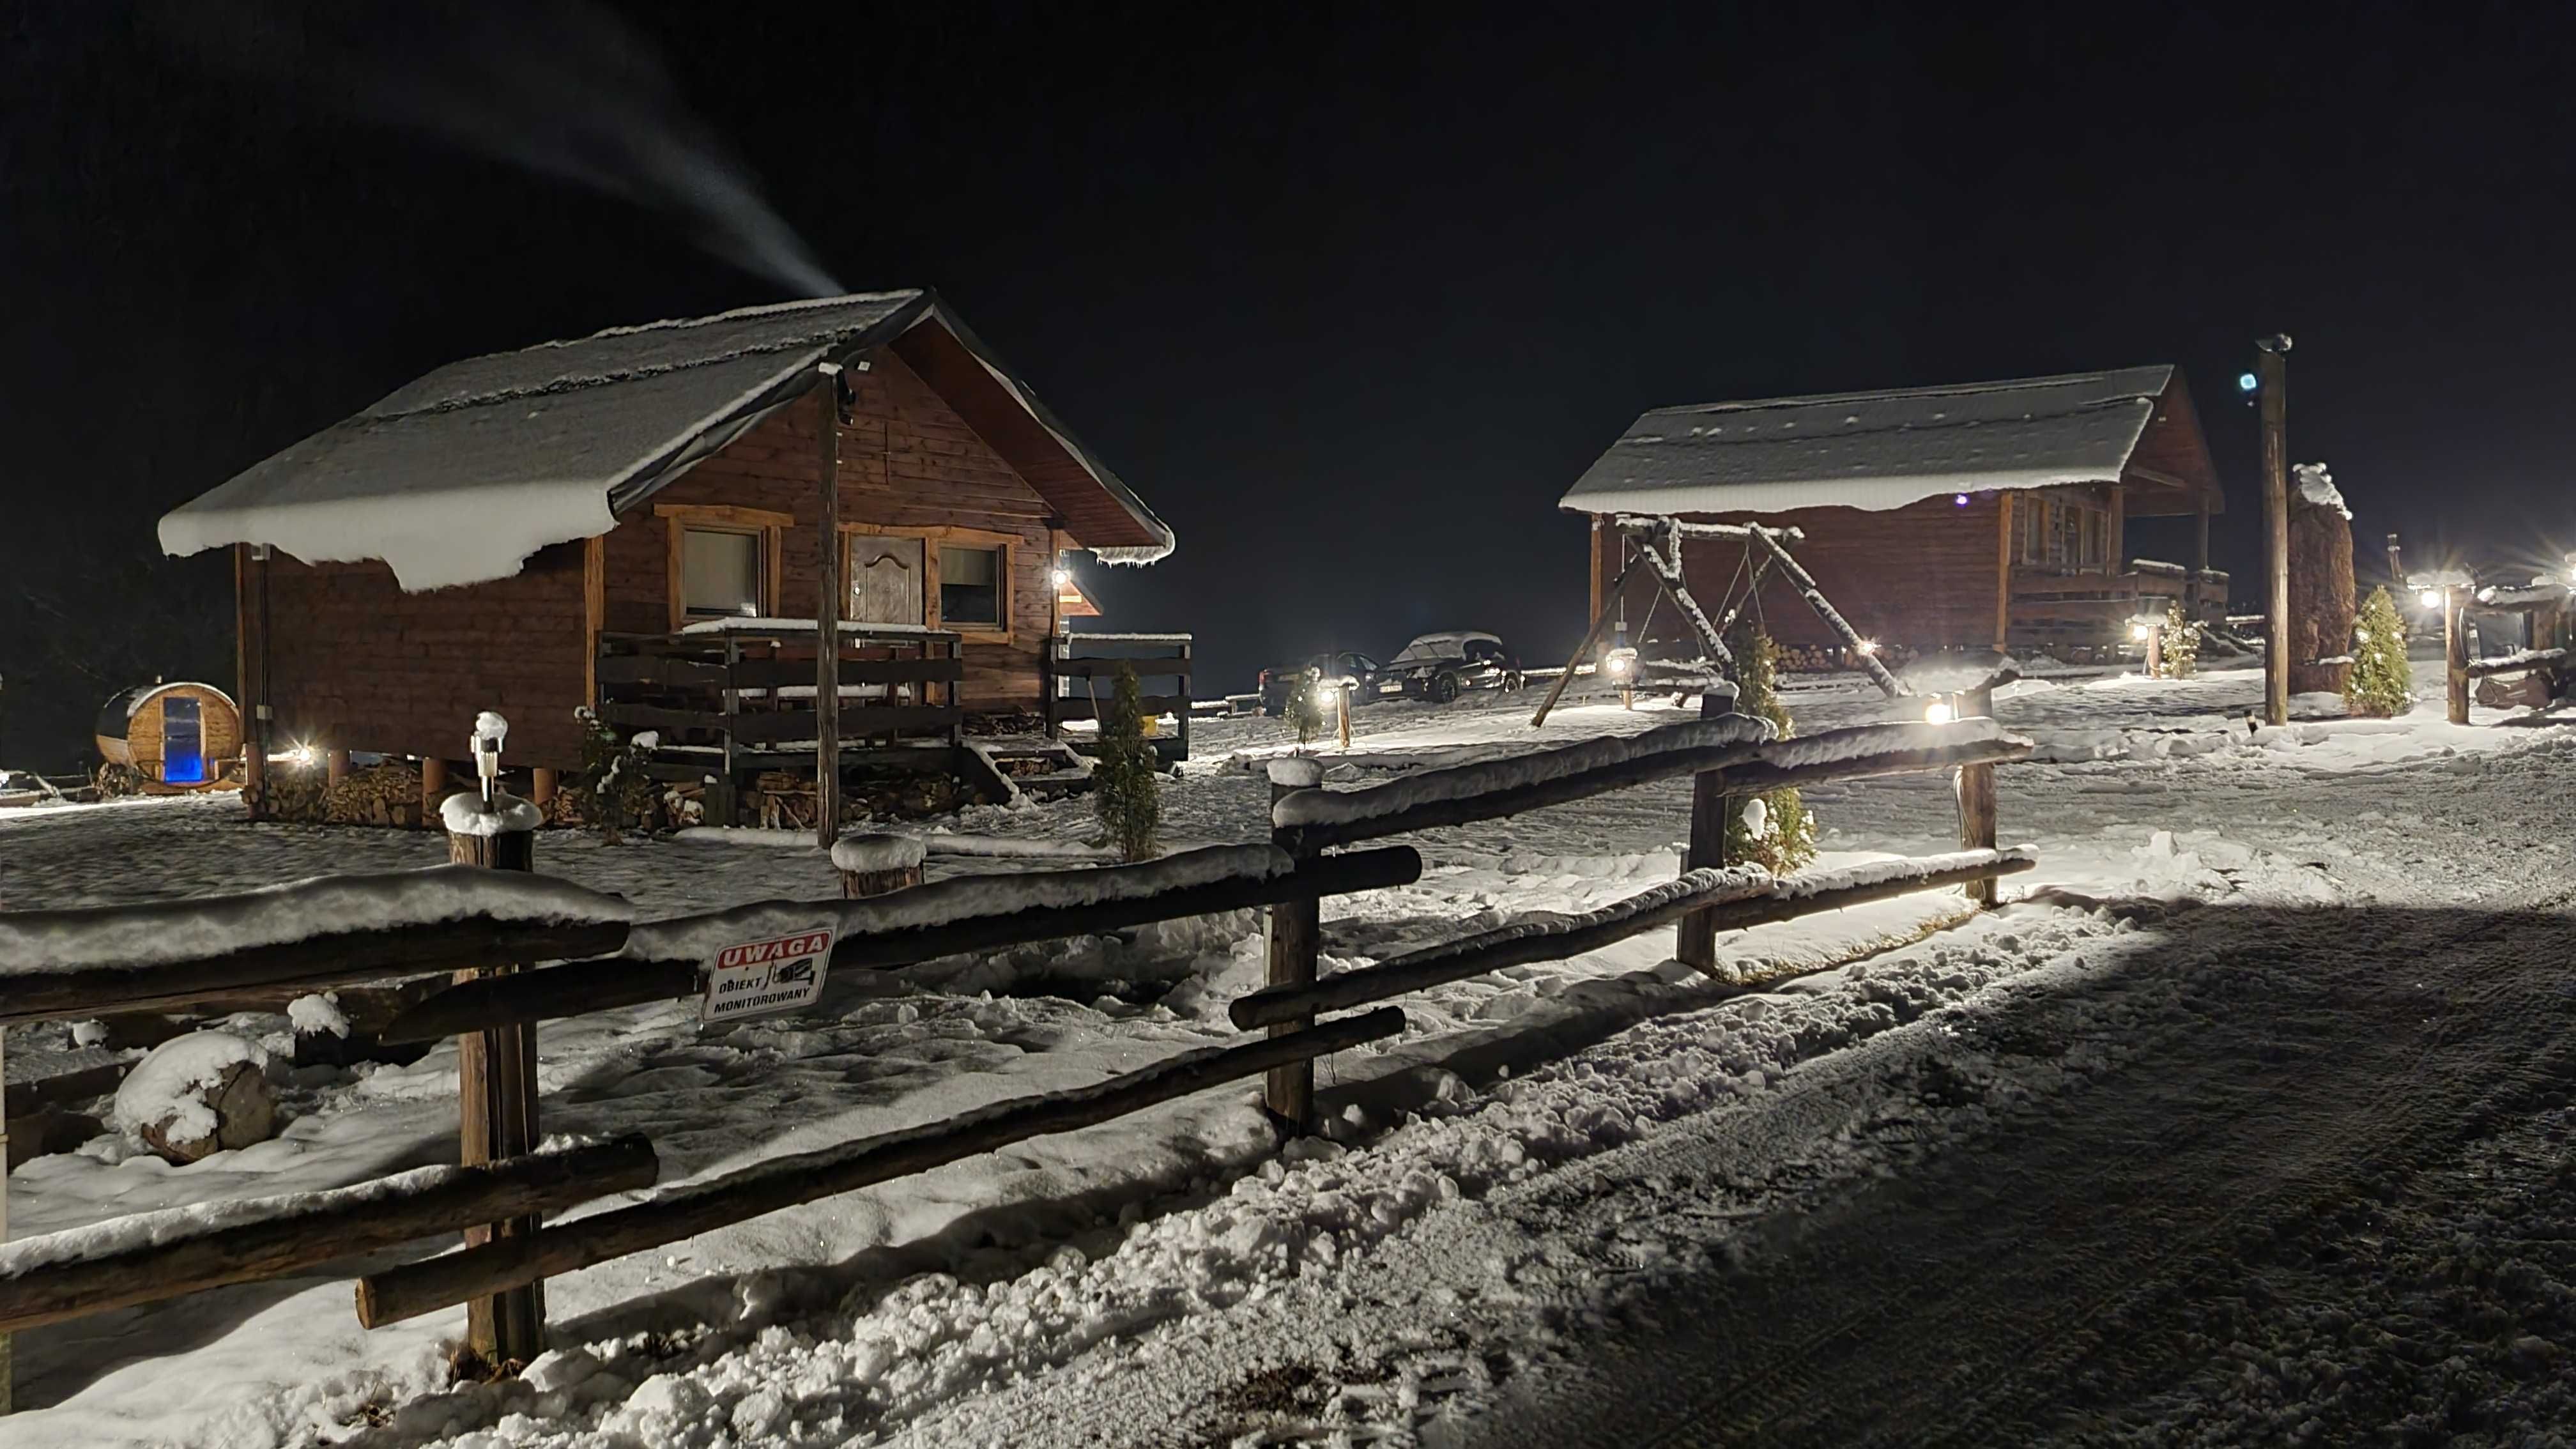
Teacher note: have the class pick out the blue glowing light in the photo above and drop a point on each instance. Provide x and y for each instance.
(1960, 499)
(2247, 382)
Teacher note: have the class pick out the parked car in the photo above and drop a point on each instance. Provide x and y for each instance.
(1280, 681)
(1440, 667)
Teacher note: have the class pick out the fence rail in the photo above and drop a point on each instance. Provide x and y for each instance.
(1075, 665)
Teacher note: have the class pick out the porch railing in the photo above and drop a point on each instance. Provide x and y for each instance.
(1079, 669)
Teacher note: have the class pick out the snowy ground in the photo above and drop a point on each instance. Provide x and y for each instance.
(1561, 1185)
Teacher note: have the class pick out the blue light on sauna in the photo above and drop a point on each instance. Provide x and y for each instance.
(184, 770)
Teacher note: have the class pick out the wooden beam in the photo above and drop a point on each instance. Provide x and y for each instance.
(586, 986)
(1747, 773)
(827, 614)
(1713, 815)
(1293, 932)
(783, 1182)
(1591, 639)
(338, 959)
(2273, 363)
(2003, 571)
(308, 1230)
(594, 613)
(1805, 584)
(1734, 902)
(2455, 652)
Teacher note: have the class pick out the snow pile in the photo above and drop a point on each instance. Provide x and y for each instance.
(2439, 579)
(318, 1015)
(1462, 782)
(157, 932)
(1833, 747)
(2316, 485)
(1808, 884)
(2319, 704)
(167, 1089)
(2540, 591)
(941, 902)
(877, 853)
(468, 813)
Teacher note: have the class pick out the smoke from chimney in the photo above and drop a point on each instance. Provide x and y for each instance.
(559, 87)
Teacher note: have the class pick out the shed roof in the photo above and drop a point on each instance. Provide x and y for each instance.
(1882, 450)
(457, 477)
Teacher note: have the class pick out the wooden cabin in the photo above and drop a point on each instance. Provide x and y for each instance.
(1986, 515)
(648, 522)
(173, 739)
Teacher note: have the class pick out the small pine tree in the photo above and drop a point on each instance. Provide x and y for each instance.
(1123, 791)
(1780, 836)
(616, 793)
(1306, 708)
(2381, 682)
(2181, 645)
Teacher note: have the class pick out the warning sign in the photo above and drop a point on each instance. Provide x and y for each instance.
(781, 973)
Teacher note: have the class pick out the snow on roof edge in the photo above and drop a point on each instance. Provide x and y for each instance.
(1870, 495)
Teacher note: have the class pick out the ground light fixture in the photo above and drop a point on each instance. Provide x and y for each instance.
(1619, 663)
(1867, 648)
(1939, 711)
(2430, 598)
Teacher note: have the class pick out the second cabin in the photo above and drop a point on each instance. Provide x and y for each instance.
(639, 522)
(1983, 515)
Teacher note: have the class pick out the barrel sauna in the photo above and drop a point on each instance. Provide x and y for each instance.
(174, 738)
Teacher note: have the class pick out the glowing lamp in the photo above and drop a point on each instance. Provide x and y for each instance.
(2247, 382)
(1961, 499)
(1063, 577)
(1867, 647)
(2139, 630)
(2430, 598)
(1939, 712)
(1619, 663)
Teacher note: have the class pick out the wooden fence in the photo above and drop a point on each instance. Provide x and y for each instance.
(496, 1198)
(1079, 669)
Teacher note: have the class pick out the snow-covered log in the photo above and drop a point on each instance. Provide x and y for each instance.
(1568, 772)
(1736, 898)
(2518, 661)
(1311, 820)
(586, 986)
(327, 931)
(149, 1256)
(784, 1182)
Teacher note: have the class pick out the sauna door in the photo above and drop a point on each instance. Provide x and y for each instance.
(183, 741)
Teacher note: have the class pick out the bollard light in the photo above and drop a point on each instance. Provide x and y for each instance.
(2430, 598)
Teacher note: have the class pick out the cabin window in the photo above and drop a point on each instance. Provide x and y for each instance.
(886, 580)
(720, 572)
(971, 586)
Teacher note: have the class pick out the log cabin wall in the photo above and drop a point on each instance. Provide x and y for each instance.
(908, 462)
(356, 663)
(1923, 576)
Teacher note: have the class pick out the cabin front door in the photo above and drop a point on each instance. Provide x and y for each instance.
(183, 741)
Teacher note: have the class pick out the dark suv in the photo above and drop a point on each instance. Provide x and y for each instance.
(1440, 667)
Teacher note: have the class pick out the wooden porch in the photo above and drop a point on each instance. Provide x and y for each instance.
(739, 698)
(2057, 608)
(1076, 665)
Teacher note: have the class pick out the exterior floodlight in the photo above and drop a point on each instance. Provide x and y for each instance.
(1961, 499)
(2247, 382)
(1063, 577)
(2430, 598)
(304, 755)
(1939, 712)
(2140, 630)
(1867, 647)
(1619, 663)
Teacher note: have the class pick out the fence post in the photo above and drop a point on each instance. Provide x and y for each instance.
(496, 1074)
(1977, 798)
(2455, 650)
(1712, 811)
(5, 1376)
(1295, 926)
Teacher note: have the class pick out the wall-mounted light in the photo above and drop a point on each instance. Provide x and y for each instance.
(2430, 598)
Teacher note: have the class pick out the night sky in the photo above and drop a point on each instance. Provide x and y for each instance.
(1349, 299)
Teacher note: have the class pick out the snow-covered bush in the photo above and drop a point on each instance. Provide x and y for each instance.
(2181, 648)
(1773, 830)
(1124, 792)
(2381, 683)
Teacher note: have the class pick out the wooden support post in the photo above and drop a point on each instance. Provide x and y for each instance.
(2155, 650)
(1345, 693)
(6, 1386)
(335, 766)
(1591, 638)
(433, 787)
(2200, 560)
(1977, 797)
(2455, 650)
(1296, 927)
(2115, 532)
(2272, 359)
(827, 615)
(2003, 571)
(1713, 813)
(496, 1074)
(545, 783)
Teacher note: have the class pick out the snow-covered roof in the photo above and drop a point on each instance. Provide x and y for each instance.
(1876, 450)
(459, 476)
